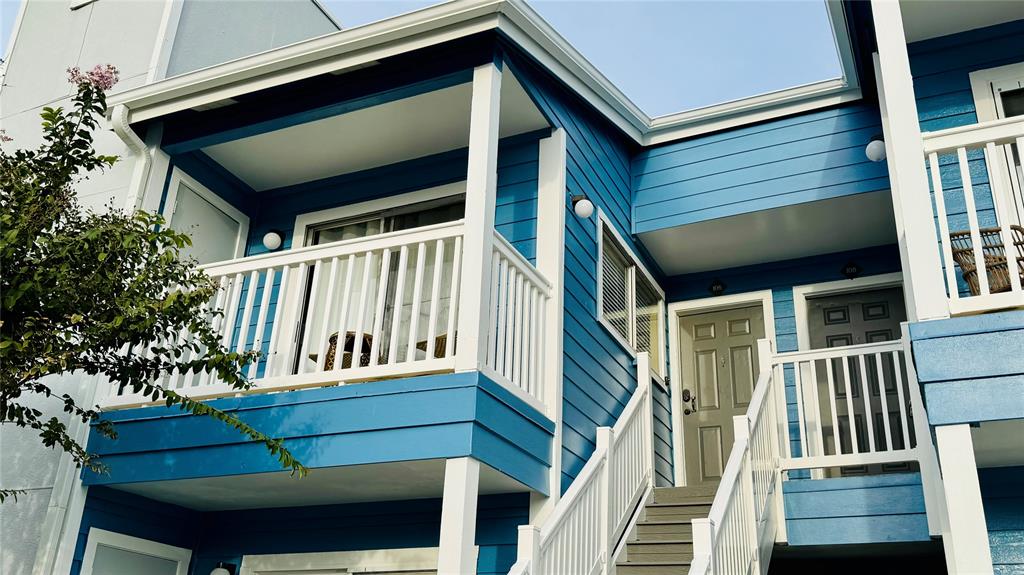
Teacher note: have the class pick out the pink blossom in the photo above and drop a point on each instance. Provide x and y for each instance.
(102, 77)
(4, 137)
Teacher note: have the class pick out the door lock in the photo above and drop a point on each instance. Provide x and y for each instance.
(689, 402)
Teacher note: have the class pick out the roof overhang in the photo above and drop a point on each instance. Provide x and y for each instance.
(361, 46)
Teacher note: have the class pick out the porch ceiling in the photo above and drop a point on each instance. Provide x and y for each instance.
(413, 127)
(923, 19)
(352, 484)
(807, 229)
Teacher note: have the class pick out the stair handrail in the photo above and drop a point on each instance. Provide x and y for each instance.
(582, 532)
(746, 514)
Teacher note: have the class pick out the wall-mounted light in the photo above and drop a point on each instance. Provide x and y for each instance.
(875, 150)
(582, 207)
(717, 287)
(223, 568)
(272, 240)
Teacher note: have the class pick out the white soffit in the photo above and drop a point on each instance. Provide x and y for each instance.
(801, 230)
(350, 484)
(924, 19)
(998, 443)
(405, 129)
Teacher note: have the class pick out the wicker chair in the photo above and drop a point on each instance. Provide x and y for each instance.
(994, 254)
(364, 356)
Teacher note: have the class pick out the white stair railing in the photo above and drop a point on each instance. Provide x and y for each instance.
(746, 515)
(581, 534)
(871, 383)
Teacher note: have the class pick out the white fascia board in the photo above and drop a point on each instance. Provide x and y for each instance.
(459, 18)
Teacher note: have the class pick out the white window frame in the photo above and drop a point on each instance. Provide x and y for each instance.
(411, 559)
(310, 219)
(124, 542)
(981, 88)
(604, 223)
(180, 177)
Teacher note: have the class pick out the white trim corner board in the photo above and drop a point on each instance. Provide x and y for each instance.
(802, 292)
(679, 309)
(131, 544)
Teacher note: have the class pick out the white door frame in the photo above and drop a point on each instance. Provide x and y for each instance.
(691, 307)
(802, 292)
(138, 545)
(179, 177)
(981, 88)
(411, 559)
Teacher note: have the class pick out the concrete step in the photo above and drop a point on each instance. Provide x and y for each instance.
(664, 529)
(676, 510)
(666, 551)
(684, 494)
(653, 568)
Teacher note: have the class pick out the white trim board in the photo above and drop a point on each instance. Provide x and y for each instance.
(179, 177)
(803, 292)
(123, 542)
(304, 221)
(693, 307)
(981, 88)
(412, 559)
(353, 47)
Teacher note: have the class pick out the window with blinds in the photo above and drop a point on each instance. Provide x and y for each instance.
(629, 302)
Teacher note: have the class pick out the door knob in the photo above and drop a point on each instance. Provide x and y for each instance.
(689, 402)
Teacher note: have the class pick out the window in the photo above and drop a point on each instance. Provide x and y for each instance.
(629, 302)
(109, 553)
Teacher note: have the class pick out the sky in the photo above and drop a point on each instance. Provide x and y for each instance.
(665, 55)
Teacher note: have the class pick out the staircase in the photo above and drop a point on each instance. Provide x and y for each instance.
(662, 542)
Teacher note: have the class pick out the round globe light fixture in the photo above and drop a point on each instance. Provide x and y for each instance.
(875, 150)
(220, 569)
(272, 240)
(582, 207)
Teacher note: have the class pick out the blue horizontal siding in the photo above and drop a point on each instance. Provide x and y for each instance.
(427, 417)
(814, 156)
(228, 535)
(1003, 499)
(971, 368)
(599, 374)
(855, 510)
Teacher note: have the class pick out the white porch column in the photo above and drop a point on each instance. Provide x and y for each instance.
(457, 550)
(481, 191)
(919, 247)
(551, 199)
(966, 546)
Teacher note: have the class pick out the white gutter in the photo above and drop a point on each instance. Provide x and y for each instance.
(434, 25)
(119, 120)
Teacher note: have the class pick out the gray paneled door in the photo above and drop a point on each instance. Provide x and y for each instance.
(719, 370)
(853, 319)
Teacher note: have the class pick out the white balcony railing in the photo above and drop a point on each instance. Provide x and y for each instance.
(369, 308)
(976, 179)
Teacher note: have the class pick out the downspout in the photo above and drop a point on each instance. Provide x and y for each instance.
(140, 175)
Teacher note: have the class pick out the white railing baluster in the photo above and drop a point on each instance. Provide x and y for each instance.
(972, 220)
(396, 307)
(417, 290)
(435, 299)
(356, 357)
(307, 330)
(277, 328)
(886, 425)
(346, 304)
(453, 299)
(378, 314)
(261, 320)
(904, 424)
(850, 419)
(250, 302)
(1002, 200)
(869, 417)
(830, 375)
(940, 211)
(324, 347)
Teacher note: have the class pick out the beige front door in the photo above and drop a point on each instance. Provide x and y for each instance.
(718, 364)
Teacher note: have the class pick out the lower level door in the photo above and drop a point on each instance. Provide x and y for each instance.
(718, 364)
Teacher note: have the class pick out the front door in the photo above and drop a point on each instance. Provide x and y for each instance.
(853, 319)
(719, 369)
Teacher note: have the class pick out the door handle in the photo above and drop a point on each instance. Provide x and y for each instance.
(689, 402)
